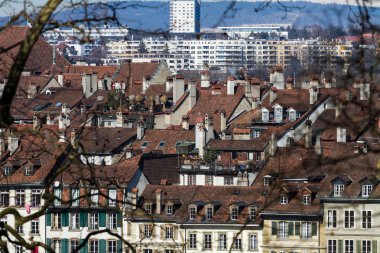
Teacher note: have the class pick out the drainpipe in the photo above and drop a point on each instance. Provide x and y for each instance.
(185, 241)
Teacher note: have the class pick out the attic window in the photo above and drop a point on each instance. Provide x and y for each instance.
(306, 199)
(252, 213)
(169, 209)
(58, 104)
(209, 212)
(283, 199)
(338, 190)
(234, 213)
(145, 144)
(192, 212)
(161, 144)
(28, 170)
(267, 180)
(7, 170)
(366, 190)
(148, 208)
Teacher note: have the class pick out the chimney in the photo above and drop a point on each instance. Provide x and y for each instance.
(313, 95)
(192, 95)
(86, 85)
(338, 108)
(158, 201)
(341, 134)
(230, 86)
(223, 121)
(140, 129)
(12, 144)
(278, 78)
(205, 78)
(318, 146)
(289, 83)
(185, 122)
(145, 84)
(60, 78)
(94, 82)
(272, 144)
(200, 136)
(48, 120)
(2, 145)
(364, 90)
(64, 109)
(272, 95)
(178, 88)
(308, 134)
(134, 198)
(169, 83)
(119, 118)
(32, 91)
(62, 136)
(73, 138)
(36, 123)
(210, 128)
(63, 121)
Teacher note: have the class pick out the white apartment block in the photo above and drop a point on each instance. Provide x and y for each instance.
(185, 16)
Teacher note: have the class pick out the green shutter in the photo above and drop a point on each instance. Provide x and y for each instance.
(357, 246)
(274, 228)
(314, 228)
(48, 219)
(340, 246)
(297, 228)
(83, 249)
(119, 246)
(48, 242)
(374, 246)
(65, 245)
(291, 228)
(102, 246)
(83, 219)
(273, 251)
(102, 219)
(65, 220)
(119, 219)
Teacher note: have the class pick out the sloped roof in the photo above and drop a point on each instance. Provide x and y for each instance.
(135, 71)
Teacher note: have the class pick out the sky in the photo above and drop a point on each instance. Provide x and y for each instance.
(17, 5)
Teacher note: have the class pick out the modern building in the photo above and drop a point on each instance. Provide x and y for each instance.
(185, 16)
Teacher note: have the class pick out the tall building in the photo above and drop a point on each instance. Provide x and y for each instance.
(185, 16)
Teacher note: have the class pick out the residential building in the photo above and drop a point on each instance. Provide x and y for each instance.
(185, 16)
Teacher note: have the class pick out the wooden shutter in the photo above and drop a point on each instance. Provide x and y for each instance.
(297, 228)
(64, 245)
(83, 219)
(162, 232)
(141, 231)
(314, 228)
(340, 246)
(374, 246)
(119, 218)
(48, 242)
(274, 228)
(48, 219)
(290, 228)
(119, 246)
(358, 246)
(102, 219)
(102, 245)
(65, 220)
(175, 232)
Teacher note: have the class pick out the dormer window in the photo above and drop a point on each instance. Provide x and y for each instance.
(267, 180)
(7, 170)
(209, 212)
(192, 212)
(292, 115)
(252, 213)
(264, 115)
(28, 170)
(234, 212)
(169, 209)
(148, 208)
(306, 199)
(283, 199)
(366, 190)
(338, 190)
(278, 113)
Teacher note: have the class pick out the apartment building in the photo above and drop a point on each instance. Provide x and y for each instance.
(185, 16)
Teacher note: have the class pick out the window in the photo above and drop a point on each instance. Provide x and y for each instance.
(93, 221)
(148, 208)
(193, 241)
(75, 197)
(292, 115)
(192, 212)
(20, 198)
(112, 197)
(234, 213)
(20, 229)
(191, 180)
(94, 197)
(332, 248)
(207, 243)
(237, 244)
(367, 219)
(252, 242)
(331, 218)
(4, 198)
(57, 196)
(56, 221)
(73, 245)
(266, 180)
(228, 180)
(348, 246)
(338, 189)
(56, 245)
(35, 227)
(366, 190)
(145, 144)
(147, 230)
(283, 229)
(112, 221)
(305, 230)
(252, 213)
(284, 199)
(256, 133)
(222, 242)
(169, 232)
(111, 246)
(209, 213)
(36, 198)
(7, 170)
(306, 199)
(161, 144)
(265, 115)
(28, 170)
(209, 179)
(94, 246)
(169, 209)
(74, 221)
(349, 219)
(366, 246)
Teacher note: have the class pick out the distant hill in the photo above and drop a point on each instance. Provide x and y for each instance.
(155, 15)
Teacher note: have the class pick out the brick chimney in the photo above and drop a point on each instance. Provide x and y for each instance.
(158, 201)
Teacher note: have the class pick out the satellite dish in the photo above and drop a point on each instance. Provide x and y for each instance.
(100, 98)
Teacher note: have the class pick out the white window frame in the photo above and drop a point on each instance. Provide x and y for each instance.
(112, 197)
(147, 230)
(191, 179)
(283, 230)
(192, 241)
(93, 221)
(57, 196)
(366, 190)
(74, 196)
(331, 218)
(93, 246)
(306, 230)
(111, 246)
(366, 246)
(284, 199)
(222, 242)
(209, 212)
(169, 209)
(338, 190)
(94, 196)
(349, 219)
(169, 232)
(348, 246)
(306, 199)
(234, 212)
(112, 221)
(366, 219)
(207, 241)
(192, 212)
(56, 221)
(20, 198)
(332, 246)
(35, 226)
(74, 221)
(252, 242)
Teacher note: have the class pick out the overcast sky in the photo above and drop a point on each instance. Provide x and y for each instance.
(17, 5)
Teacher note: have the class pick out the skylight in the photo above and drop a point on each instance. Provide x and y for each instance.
(145, 144)
(162, 144)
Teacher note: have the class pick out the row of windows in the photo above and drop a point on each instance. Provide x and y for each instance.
(349, 219)
(284, 229)
(94, 246)
(94, 197)
(19, 200)
(209, 180)
(75, 220)
(347, 246)
(221, 242)
(209, 212)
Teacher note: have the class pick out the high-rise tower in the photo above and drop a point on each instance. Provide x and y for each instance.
(185, 16)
